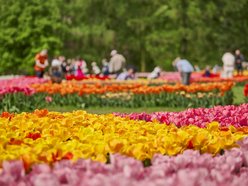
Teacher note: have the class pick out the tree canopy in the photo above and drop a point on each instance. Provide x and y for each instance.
(146, 32)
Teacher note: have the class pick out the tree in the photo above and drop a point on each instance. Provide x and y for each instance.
(148, 33)
(28, 27)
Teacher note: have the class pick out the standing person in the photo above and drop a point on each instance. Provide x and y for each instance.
(79, 65)
(95, 69)
(117, 63)
(56, 74)
(56, 62)
(207, 72)
(64, 67)
(41, 62)
(239, 59)
(228, 65)
(185, 69)
(82, 63)
(105, 67)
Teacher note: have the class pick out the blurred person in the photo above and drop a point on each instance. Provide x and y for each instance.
(72, 67)
(216, 69)
(155, 73)
(117, 63)
(65, 67)
(41, 62)
(79, 66)
(239, 59)
(228, 65)
(185, 68)
(46, 76)
(105, 67)
(61, 58)
(56, 74)
(207, 72)
(83, 65)
(196, 68)
(95, 69)
(128, 75)
(56, 62)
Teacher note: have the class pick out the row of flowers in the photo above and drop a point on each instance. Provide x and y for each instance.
(27, 85)
(225, 115)
(19, 84)
(50, 148)
(48, 137)
(22, 81)
(42, 94)
(72, 87)
(199, 77)
(189, 168)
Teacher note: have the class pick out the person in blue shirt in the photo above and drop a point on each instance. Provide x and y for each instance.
(185, 68)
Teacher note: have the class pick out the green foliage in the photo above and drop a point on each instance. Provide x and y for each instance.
(18, 102)
(147, 32)
(27, 27)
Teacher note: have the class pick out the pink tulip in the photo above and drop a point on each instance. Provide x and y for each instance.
(225, 115)
(190, 168)
(19, 84)
(48, 99)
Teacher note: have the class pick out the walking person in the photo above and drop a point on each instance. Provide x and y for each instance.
(185, 68)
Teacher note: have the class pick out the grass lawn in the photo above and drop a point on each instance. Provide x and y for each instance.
(105, 110)
(238, 92)
(238, 99)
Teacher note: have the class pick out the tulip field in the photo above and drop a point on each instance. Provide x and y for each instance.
(28, 94)
(206, 144)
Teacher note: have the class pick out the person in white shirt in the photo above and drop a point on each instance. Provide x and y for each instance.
(228, 65)
(56, 62)
(128, 75)
(95, 69)
(117, 63)
(155, 73)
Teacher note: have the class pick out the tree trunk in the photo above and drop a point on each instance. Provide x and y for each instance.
(142, 60)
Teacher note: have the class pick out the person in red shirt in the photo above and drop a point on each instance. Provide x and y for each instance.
(41, 62)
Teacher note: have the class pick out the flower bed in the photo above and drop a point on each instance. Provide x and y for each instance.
(124, 95)
(246, 93)
(46, 148)
(29, 93)
(72, 87)
(49, 136)
(190, 168)
(19, 84)
(16, 93)
(174, 77)
(88, 77)
(225, 115)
